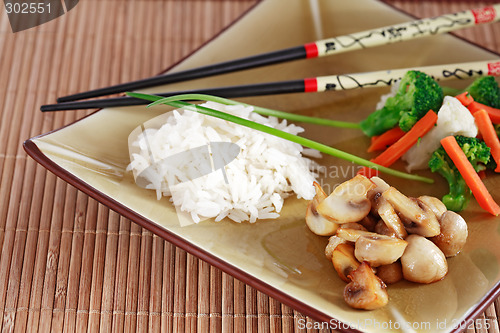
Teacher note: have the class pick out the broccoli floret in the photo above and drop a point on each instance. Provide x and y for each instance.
(417, 94)
(478, 154)
(484, 90)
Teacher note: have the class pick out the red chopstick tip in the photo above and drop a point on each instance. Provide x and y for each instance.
(484, 15)
(310, 85)
(494, 68)
(311, 50)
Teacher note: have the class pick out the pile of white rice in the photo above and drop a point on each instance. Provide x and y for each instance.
(266, 170)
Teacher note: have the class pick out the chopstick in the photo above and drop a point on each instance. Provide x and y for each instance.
(370, 38)
(318, 84)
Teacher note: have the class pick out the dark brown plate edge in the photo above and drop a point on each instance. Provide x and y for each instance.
(34, 152)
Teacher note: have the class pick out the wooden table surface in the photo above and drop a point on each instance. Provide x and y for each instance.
(69, 263)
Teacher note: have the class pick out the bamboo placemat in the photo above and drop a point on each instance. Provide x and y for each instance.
(69, 263)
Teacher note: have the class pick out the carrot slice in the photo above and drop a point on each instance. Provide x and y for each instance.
(468, 101)
(489, 135)
(400, 147)
(465, 98)
(479, 190)
(492, 112)
(386, 139)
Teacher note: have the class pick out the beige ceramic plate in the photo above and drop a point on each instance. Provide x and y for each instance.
(281, 257)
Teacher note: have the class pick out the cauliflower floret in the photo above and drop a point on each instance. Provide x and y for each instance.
(453, 119)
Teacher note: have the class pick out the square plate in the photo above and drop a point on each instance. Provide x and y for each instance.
(281, 257)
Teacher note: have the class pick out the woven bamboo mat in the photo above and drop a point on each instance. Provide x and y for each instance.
(69, 263)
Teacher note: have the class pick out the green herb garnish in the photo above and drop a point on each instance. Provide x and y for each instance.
(177, 102)
(257, 109)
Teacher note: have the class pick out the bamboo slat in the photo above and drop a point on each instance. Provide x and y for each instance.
(67, 262)
(203, 322)
(227, 303)
(191, 293)
(119, 296)
(110, 271)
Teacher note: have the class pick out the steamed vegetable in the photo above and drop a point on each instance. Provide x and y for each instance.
(383, 141)
(465, 98)
(485, 90)
(478, 155)
(467, 166)
(417, 94)
(489, 135)
(453, 119)
(395, 151)
(492, 112)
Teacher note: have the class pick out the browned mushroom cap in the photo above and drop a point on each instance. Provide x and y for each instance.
(343, 260)
(348, 202)
(423, 261)
(453, 234)
(316, 222)
(391, 273)
(366, 290)
(332, 245)
(417, 217)
(436, 205)
(379, 250)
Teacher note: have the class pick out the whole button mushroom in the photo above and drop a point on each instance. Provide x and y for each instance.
(423, 261)
(453, 234)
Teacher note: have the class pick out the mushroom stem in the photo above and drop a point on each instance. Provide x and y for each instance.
(421, 219)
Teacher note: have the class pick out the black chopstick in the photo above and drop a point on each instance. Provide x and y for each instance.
(465, 70)
(365, 39)
(191, 74)
(281, 87)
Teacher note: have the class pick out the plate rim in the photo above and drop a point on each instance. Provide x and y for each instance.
(31, 148)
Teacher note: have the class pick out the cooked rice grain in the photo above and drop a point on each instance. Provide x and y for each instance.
(265, 172)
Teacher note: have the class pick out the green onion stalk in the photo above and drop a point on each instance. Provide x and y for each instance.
(178, 102)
